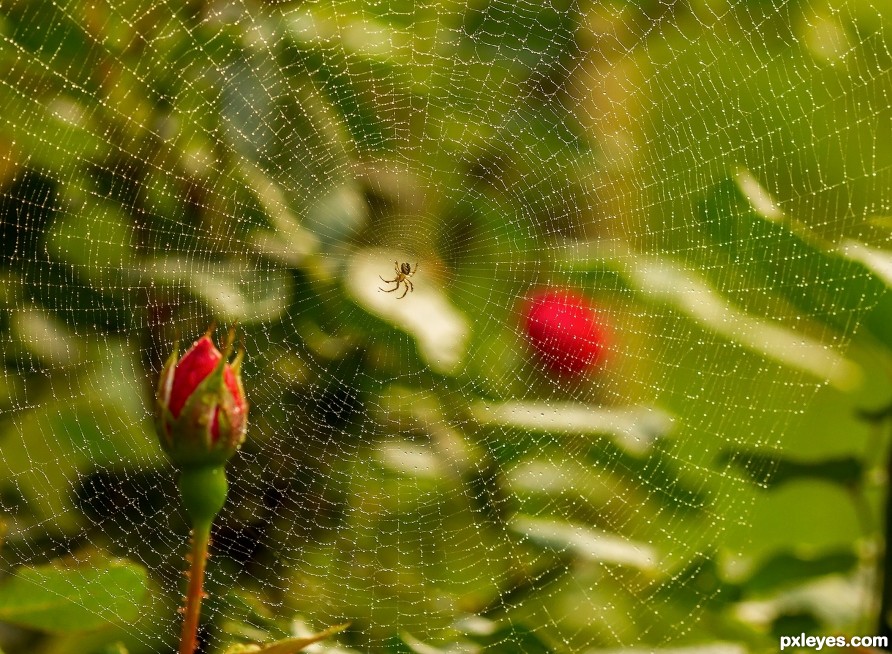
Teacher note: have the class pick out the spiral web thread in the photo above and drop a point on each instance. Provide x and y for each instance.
(412, 467)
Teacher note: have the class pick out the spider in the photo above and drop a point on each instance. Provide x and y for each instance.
(403, 272)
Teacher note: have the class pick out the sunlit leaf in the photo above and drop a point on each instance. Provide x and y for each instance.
(834, 601)
(289, 645)
(781, 257)
(664, 280)
(633, 428)
(440, 330)
(587, 542)
(546, 477)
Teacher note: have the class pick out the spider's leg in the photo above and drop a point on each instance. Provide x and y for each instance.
(404, 292)
(414, 271)
(387, 281)
(389, 290)
(411, 286)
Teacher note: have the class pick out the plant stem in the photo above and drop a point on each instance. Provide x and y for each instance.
(201, 537)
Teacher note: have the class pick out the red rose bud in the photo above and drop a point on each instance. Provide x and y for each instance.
(202, 411)
(565, 331)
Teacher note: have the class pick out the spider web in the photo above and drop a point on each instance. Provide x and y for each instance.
(411, 466)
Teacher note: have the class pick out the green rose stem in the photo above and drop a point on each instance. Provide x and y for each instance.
(203, 491)
(202, 420)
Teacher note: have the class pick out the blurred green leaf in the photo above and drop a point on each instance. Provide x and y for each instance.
(234, 289)
(289, 241)
(699, 581)
(100, 420)
(796, 622)
(536, 36)
(513, 640)
(99, 240)
(338, 215)
(61, 598)
(27, 204)
(788, 568)
(336, 73)
(771, 471)
(248, 107)
(46, 337)
(60, 40)
(56, 134)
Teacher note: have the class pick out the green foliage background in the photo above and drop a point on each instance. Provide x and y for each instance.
(706, 171)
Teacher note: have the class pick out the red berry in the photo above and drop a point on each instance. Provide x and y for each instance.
(565, 331)
(202, 411)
